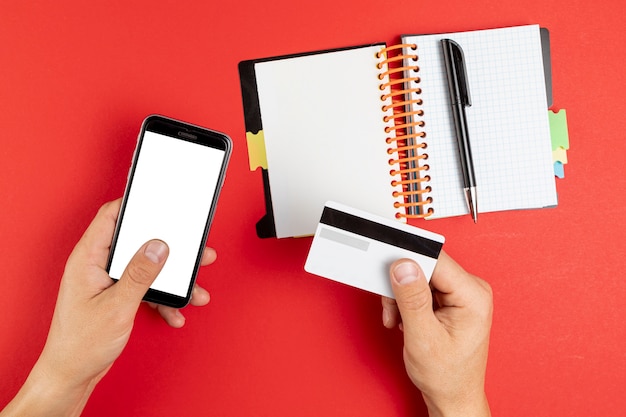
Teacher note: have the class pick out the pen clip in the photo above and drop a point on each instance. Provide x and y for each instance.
(458, 58)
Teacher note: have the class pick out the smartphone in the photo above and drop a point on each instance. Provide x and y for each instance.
(171, 194)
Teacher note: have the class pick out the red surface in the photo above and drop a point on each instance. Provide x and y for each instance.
(76, 80)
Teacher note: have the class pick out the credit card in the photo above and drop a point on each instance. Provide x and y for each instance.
(357, 248)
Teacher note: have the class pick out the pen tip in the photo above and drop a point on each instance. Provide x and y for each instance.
(470, 197)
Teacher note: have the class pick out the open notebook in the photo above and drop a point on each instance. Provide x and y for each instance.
(374, 130)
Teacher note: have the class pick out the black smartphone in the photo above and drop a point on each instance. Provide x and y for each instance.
(173, 186)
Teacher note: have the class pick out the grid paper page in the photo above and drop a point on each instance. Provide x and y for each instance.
(508, 121)
(324, 136)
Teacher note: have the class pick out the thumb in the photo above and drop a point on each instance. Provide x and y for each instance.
(141, 271)
(413, 296)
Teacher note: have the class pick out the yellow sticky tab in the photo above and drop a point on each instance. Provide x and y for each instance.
(559, 155)
(558, 129)
(256, 150)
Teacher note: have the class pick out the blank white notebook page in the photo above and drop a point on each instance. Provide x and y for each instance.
(324, 136)
(508, 123)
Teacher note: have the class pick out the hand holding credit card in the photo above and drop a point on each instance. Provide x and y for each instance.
(357, 248)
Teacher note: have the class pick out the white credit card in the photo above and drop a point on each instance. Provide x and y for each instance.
(357, 248)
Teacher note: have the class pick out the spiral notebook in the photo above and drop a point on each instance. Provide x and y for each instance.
(371, 127)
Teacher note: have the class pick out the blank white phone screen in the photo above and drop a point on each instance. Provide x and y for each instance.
(169, 199)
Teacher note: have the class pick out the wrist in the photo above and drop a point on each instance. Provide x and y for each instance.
(475, 406)
(47, 394)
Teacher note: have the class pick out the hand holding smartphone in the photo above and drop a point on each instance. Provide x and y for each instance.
(173, 186)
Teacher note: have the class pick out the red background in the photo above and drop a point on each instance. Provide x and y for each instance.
(76, 80)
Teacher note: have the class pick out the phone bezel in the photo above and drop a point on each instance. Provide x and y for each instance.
(206, 137)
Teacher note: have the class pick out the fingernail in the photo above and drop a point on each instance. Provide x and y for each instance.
(180, 319)
(156, 251)
(405, 273)
(386, 317)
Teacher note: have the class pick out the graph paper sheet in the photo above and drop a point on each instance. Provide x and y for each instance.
(508, 121)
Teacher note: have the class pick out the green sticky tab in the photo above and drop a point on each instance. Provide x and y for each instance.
(558, 129)
(256, 150)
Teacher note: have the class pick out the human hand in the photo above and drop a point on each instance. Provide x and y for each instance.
(93, 319)
(445, 348)
(199, 296)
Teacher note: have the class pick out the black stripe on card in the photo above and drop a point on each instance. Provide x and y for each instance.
(380, 232)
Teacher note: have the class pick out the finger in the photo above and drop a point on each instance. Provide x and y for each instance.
(455, 286)
(199, 296)
(413, 297)
(96, 241)
(208, 256)
(172, 316)
(104, 222)
(141, 272)
(391, 314)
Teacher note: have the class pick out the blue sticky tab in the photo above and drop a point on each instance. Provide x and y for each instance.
(559, 171)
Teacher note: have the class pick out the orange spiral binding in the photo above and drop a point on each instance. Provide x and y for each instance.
(400, 72)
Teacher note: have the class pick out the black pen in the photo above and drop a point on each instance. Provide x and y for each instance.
(460, 98)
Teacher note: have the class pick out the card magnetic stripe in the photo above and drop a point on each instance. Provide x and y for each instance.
(380, 232)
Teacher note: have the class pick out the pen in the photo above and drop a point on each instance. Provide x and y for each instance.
(459, 99)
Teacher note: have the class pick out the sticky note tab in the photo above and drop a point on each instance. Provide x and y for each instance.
(559, 155)
(558, 129)
(558, 170)
(256, 150)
